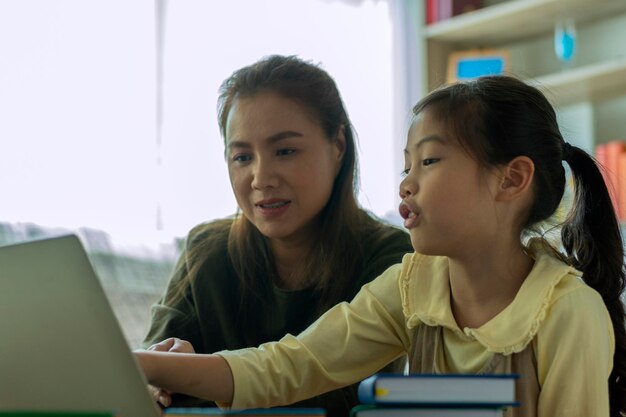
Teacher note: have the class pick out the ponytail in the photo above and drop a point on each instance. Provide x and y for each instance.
(592, 240)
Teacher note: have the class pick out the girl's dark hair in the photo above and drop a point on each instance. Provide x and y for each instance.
(499, 118)
(337, 256)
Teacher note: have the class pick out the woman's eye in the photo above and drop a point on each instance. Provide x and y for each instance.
(405, 172)
(283, 152)
(241, 158)
(429, 161)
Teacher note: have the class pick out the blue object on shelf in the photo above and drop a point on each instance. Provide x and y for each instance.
(475, 67)
(467, 65)
(565, 45)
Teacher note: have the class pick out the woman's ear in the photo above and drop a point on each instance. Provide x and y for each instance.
(340, 149)
(340, 143)
(516, 178)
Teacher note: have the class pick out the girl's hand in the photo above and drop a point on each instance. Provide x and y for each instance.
(173, 344)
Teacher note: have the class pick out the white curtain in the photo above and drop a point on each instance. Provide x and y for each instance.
(95, 133)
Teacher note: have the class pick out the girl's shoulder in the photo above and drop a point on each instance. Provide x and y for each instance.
(425, 289)
(551, 291)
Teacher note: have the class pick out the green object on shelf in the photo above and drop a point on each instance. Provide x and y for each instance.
(57, 414)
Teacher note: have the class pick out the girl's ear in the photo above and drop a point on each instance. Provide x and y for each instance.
(516, 178)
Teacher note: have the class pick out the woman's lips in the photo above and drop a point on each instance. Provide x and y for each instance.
(272, 207)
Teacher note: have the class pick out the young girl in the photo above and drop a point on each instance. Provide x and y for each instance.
(483, 171)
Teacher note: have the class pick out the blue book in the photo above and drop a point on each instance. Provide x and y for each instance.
(257, 412)
(448, 390)
(377, 411)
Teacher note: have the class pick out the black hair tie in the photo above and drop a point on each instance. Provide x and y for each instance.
(567, 151)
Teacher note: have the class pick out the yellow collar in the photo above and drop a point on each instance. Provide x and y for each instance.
(425, 292)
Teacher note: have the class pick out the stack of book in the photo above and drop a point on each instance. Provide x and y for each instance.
(434, 395)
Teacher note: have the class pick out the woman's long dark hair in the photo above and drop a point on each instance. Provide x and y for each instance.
(499, 118)
(337, 256)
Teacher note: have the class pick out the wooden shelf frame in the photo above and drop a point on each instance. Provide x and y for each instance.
(518, 19)
(594, 82)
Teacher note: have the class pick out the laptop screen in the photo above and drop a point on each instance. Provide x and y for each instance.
(62, 348)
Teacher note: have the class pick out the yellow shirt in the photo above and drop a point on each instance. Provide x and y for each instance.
(565, 320)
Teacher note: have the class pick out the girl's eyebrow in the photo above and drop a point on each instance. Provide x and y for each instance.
(431, 138)
(276, 137)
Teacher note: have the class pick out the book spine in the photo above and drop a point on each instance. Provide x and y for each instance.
(613, 151)
(621, 186)
(432, 12)
(367, 390)
(465, 6)
(445, 9)
(601, 160)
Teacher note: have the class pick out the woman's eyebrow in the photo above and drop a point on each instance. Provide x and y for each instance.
(276, 137)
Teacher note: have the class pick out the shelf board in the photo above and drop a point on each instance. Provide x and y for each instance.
(590, 82)
(517, 19)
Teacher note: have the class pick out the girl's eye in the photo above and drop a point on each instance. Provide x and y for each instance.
(405, 172)
(284, 152)
(429, 161)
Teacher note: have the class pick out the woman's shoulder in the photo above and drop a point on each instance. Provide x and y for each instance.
(216, 232)
(377, 234)
(207, 243)
(205, 255)
(382, 245)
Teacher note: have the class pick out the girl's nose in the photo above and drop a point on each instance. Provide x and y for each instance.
(408, 187)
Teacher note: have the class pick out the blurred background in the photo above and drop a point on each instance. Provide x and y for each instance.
(108, 107)
(108, 122)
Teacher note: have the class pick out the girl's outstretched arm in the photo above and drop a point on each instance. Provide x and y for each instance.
(203, 376)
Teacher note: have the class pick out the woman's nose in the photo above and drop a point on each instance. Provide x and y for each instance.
(264, 175)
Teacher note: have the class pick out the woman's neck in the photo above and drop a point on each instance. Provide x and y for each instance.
(289, 261)
(484, 284)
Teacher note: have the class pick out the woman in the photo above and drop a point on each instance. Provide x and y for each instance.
(299, 243)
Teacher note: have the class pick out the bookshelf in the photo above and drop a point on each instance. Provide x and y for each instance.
(516, 19)
(589, 91)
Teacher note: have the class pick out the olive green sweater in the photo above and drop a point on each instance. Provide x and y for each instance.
(209, 316)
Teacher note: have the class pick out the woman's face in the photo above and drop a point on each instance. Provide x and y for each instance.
(281, 165)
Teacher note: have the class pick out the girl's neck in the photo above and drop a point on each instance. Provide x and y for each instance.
(483, 285)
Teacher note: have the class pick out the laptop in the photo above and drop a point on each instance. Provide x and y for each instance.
(61, 347)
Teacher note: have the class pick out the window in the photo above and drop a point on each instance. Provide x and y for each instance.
(79, 102)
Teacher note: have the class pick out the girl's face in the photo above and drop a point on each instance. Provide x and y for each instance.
(281, 165)
(447, 198)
